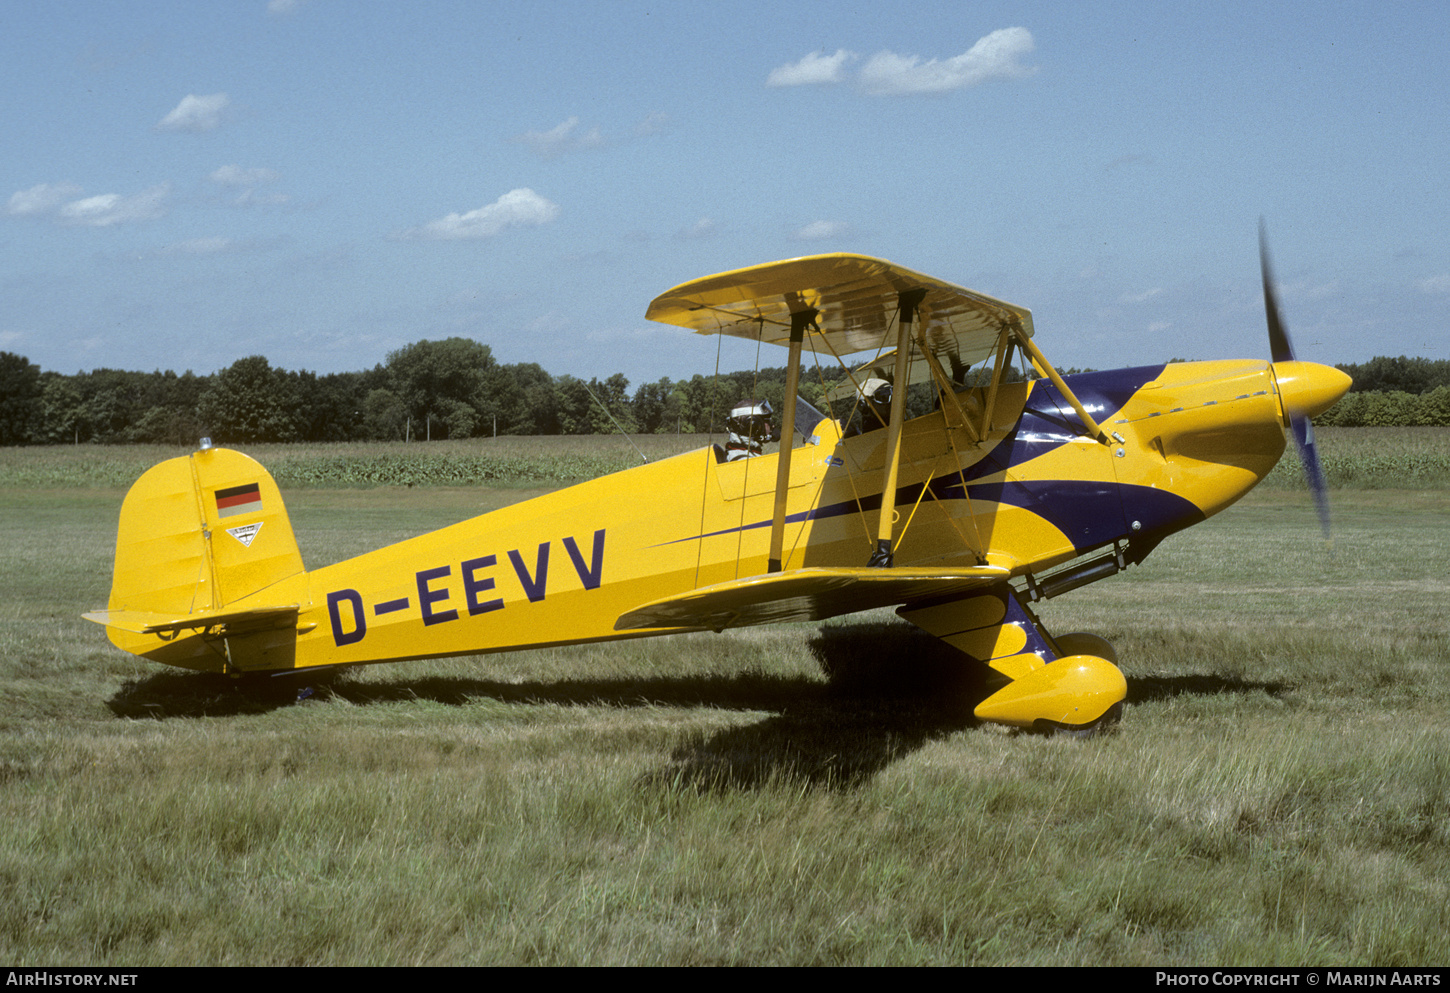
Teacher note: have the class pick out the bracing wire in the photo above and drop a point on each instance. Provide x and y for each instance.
(610, 415)
(709, 454)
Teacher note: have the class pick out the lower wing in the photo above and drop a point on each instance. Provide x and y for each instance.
(809, 594)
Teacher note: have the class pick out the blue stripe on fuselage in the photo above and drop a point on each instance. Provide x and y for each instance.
(1048, 421)
(1089, 512)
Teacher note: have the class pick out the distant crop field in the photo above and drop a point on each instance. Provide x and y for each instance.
(500, 461)
(1374, 459)
(1277, 793)
(1354, 458)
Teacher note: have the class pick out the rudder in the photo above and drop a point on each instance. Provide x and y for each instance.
(197, 536)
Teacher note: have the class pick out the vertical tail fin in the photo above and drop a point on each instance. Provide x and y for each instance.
(199, 538)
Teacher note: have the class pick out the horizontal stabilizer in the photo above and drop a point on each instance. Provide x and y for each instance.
(157, 622)
(809, 594)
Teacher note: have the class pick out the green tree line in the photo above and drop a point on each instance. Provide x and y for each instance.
(1398, 375)
(427, 390)
(1393, 392)
(456, 389)
(1392, 408)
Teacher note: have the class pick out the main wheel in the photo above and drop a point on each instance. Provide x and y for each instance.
(1085, 643)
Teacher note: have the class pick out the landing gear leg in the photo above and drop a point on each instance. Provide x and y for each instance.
(1069, 684)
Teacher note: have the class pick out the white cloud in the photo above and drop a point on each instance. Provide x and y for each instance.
(1305, 290)
(254, 198)
(652, 124)
(247, 180)
(41, 198)
(56, 200)
(113, 208)
(703, 228)
(814, 68)
(549, 142)
(195, 113)
(201, 246)
(234, 175)
(516, 208)
(566, 136)
(1141, 297)
(820, 230)
(995, 56)
(1436, 284)
(214, 247)
(561, 139)
(282, 8)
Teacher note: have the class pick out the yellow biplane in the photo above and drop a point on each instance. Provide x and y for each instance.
(1006, 494)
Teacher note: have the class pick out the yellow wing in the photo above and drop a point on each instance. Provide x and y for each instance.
(856, 299)
(809, 594)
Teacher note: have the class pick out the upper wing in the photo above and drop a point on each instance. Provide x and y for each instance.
(856, 302)
(809, 594)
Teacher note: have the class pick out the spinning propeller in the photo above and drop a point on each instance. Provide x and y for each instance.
(1305, 388)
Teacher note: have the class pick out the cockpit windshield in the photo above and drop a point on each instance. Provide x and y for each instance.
(806, 419)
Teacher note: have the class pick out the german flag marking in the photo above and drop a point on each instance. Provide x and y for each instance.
(238, 500)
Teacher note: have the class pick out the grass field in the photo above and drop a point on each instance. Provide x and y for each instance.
(1278, 792)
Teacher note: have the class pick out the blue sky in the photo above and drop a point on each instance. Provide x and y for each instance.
(323, 181)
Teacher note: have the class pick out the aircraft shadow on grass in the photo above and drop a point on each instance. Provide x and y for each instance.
(890, 690)
(1149, 689)
(889, 661)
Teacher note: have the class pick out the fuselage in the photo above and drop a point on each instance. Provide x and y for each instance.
(1021, 486)
(1032, 492)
